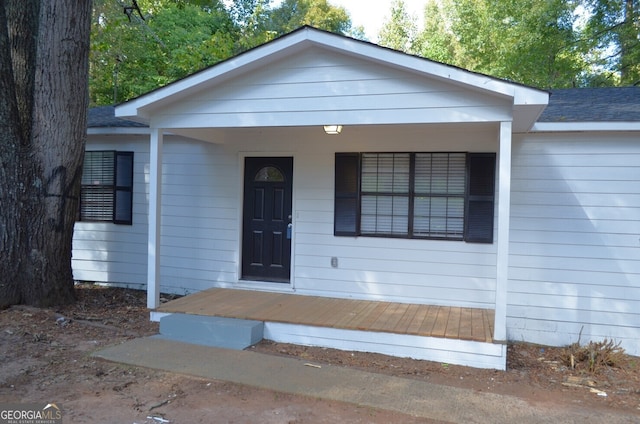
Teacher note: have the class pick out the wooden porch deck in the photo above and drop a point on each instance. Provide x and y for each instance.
(399, 318)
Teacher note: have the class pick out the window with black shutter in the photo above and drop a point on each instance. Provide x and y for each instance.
(106, 194)
(443, 195)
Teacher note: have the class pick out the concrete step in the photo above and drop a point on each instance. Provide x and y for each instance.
(229, 333)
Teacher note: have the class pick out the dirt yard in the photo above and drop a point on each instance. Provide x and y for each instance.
(45, 357)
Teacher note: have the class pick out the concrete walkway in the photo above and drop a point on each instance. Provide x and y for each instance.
(291, 375)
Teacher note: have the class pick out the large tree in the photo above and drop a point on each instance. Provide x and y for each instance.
(437, 41)
(44, 49)
(528, 41)
(400, 30)
(548, 44)
(292, 14)
(613, 35)
(169, 39)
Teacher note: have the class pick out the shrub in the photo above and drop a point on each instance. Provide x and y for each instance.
(595, 356)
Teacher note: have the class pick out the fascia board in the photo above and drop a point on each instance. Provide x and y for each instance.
(118, 131)
(585, 126)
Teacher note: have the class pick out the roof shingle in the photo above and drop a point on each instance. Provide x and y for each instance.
(104, 117)
(612, 104)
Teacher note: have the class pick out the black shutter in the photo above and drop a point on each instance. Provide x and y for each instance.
(347, 196)
(123, 193)
(480, 199)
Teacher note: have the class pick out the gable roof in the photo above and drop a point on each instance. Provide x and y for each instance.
(612, 104)
(527, 103)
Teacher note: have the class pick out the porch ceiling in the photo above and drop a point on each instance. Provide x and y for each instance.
(231, 134)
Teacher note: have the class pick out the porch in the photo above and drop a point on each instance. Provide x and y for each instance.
(439, 333)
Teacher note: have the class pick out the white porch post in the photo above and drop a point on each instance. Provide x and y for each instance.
(155, 202)
(504, 214)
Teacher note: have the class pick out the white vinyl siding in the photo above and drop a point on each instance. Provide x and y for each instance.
(279, 109)
(574, 264)
(103, 251)
(202, 211)
(398, 269)
(199, 221)
(318, 87)
(200, 228)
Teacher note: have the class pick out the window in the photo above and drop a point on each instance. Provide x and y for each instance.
(269, 174)
(415, 195)
(384, 207)
(107, 187)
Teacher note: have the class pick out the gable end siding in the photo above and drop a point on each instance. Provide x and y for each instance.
(318, 87)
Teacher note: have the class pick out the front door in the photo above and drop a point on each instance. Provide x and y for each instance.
(266, 243)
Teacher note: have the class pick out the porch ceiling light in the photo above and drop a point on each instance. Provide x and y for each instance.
(333, 129)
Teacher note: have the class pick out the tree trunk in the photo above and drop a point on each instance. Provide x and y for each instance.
(44, 50)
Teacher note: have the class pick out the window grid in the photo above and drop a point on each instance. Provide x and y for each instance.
(413, 194)
(385, 194)
(453, 202)
(98, 184)
(439, 195)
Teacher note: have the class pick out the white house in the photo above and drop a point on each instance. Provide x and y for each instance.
(443, 187)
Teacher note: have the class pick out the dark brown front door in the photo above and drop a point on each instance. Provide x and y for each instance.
(266, 243)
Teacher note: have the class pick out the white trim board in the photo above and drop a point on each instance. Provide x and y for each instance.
(540, 127)
(448, 351)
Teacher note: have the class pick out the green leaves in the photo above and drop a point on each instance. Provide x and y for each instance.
(527, 41)
(546, 44)
(130, 57)
(400, 31)
(612, 32)
(176, 38)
